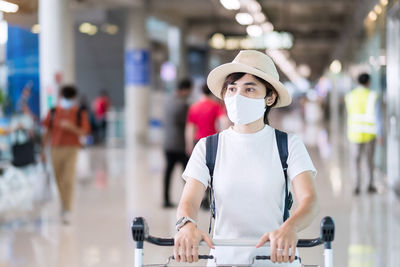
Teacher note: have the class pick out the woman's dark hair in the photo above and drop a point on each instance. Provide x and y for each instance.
(206, 90)
(69, 91)
(233, 77)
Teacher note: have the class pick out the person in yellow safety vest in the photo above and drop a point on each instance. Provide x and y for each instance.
(363, 127)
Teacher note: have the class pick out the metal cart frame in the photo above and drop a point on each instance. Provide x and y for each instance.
(140, 234)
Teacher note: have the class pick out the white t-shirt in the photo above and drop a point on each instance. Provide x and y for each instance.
(248, 186)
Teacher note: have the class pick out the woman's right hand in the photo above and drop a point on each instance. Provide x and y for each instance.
(187, 240)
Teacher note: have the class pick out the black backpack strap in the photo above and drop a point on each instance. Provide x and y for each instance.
(282, 143)
(79, 116)
(211, 155)
(52, 115)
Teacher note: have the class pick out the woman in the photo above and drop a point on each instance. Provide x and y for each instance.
(248, 178)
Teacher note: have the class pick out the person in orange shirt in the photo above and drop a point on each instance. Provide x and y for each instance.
(64, 125)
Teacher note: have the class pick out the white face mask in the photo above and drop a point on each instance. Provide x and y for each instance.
(244, 110)
(66, 103)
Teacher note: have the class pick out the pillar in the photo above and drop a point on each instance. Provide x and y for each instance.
(137, 77)
(56, 50)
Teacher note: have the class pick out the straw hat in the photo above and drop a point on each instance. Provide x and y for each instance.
(252, 62)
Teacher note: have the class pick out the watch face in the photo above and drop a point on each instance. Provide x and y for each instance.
(180, 220)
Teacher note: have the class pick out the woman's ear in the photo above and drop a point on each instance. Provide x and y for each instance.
(271, 99)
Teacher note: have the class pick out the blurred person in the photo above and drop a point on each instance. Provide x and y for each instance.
(363, 127)
(22, 132)
(205, 117)
(23, 138)
(101, 105)
(84, 106)
(176, 109)
(64, 125)
(250, 180)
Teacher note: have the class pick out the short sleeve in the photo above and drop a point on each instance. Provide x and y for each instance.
(196, 167)
(299, 160)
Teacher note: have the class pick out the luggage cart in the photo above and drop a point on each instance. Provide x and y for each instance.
(140, 233)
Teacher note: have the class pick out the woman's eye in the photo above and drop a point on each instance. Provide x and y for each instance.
(250, 90)
(232, 89)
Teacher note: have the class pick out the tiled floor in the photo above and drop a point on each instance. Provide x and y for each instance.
(116, 184)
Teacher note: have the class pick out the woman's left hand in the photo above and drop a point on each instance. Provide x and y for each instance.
(281, 240)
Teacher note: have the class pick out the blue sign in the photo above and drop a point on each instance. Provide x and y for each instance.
(137, 67)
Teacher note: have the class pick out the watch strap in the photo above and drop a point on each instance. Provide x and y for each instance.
(183, 221)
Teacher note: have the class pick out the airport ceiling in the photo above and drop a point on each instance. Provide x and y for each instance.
(317, 25)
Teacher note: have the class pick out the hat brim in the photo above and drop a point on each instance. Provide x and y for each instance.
(216, 78)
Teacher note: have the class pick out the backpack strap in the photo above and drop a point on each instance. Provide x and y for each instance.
(211, 155)
(79, 116)
(282, 143)
(52, 115)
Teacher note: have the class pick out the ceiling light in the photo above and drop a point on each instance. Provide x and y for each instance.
(93, 30)
(217, 41)
(230, 4)
(88, 28)
(273, 40)
(372, 16)
(378, 9)
(267, 27)
(244, 18)
(232, 44)
(246, 44)
(259, 17)
(253, 6)
(288, 67)
(35, 29)
(336, 66)
(8, 7)
(384, 2)
(85, 27)
(110, 28)
(254, 30)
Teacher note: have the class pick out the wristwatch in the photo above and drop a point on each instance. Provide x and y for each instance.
(182, 221)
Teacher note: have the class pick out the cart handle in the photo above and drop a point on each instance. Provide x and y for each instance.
(302, 243)
(140, 233)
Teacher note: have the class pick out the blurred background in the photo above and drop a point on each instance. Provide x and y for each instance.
(128, 60)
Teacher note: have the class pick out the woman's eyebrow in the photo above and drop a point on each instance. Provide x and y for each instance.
(250, 83)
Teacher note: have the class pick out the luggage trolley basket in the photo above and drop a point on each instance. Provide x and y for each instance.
(140, 233)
